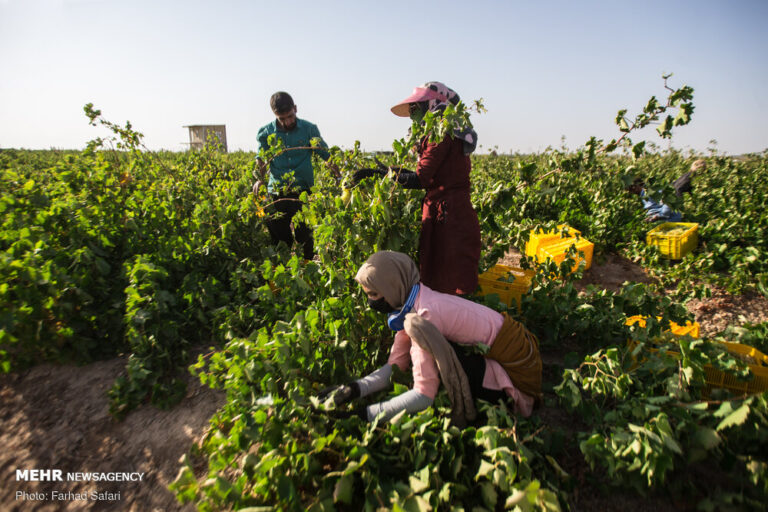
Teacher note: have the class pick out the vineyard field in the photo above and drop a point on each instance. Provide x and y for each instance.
(161, 261)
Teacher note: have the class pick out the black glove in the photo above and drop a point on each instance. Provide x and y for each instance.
(408, 179)
(361, 174)
(341, 394)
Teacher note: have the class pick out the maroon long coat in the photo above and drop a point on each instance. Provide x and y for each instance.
(449, 247)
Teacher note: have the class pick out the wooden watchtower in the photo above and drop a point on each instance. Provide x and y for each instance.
(202, 134)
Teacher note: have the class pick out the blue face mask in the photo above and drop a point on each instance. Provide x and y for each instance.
(396, 320)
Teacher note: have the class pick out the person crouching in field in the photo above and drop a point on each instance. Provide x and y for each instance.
(683, 183)
(434, 332)
(656, 211)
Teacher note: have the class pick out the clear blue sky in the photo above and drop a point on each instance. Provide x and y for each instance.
(545, 70)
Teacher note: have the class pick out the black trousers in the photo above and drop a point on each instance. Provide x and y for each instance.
(283, 209)
(474, 367)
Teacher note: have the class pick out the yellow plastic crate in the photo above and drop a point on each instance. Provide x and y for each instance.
(758, 366)
(757, 362)
(674, 245)
(692, 329)
(497, 281)
(556, 251)
(505, 272)
(537, 240)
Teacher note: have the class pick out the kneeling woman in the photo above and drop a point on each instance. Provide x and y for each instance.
(425, 321)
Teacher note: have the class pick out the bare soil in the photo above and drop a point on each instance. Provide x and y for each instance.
(610, 274)
(56, 417)
(723, 310)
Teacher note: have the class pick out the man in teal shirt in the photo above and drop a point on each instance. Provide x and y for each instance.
(290, 172)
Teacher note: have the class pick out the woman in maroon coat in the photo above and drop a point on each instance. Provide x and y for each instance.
(449, 247)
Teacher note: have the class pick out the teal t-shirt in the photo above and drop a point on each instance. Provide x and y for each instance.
(298, 161)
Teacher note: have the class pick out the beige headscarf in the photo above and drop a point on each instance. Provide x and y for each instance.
(390, 273)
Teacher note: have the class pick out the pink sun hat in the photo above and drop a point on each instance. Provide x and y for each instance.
(420, 93)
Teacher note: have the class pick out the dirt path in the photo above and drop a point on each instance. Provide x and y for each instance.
(56, 417)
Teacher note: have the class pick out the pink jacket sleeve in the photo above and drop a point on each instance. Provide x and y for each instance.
(426, 378)
(400, 355)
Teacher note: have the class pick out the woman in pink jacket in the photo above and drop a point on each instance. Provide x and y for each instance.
(424, 321)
